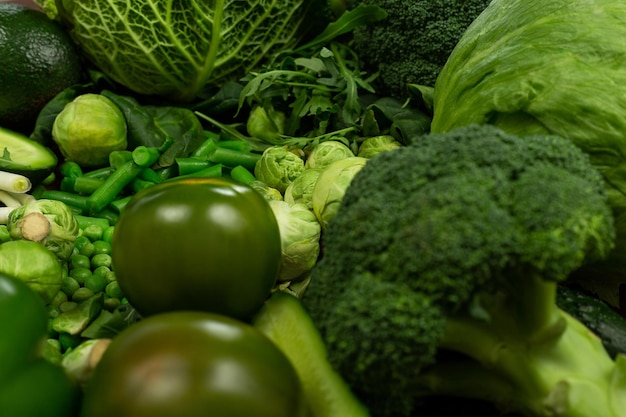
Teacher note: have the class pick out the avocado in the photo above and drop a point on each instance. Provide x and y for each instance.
(21, 155)
(38, 60)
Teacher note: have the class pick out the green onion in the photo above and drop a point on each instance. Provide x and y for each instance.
(14, 183)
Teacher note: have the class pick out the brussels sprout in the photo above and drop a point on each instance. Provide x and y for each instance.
(331, 187)
(81, 361)
(88, 129)
(374, 145)
(301, 189)
(266, 191)
(300, 239)
(34, 264)
(325, 153)
(264, 125)
(278, 167)
(49, 222)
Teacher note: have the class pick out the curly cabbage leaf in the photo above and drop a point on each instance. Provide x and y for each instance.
(549, 66)
(176, 48)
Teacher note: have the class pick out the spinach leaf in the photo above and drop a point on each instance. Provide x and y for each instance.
(151, 125)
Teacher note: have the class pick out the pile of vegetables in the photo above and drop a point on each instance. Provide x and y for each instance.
(359, 208)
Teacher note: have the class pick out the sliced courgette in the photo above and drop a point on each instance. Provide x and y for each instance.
(24, 156)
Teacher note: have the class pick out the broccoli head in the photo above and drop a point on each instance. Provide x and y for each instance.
(413, 43)
(456, 243)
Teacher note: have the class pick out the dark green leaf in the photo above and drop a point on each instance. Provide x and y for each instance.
(360, 15)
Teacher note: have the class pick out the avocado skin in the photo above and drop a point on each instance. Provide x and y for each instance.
(38, 60)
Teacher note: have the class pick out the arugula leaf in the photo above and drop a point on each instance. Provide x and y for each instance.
(350, 19)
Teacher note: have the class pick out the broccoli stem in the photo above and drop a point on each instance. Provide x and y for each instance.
(539, 361)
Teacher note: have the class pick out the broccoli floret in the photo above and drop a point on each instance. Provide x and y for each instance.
(439, 275)
(413, 43)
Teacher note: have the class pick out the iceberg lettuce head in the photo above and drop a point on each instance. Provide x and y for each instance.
(548, 66)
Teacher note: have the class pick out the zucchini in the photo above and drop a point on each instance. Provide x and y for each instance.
(22, 155)
(597, 315)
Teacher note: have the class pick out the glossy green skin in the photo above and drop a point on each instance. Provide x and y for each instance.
(29, 385)
(41, 389)
(24, 326)
(193, 364)
(207, 244)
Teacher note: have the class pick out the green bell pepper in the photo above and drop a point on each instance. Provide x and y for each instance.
(29, 384)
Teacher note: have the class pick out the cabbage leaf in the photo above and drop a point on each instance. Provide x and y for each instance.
(176, 48)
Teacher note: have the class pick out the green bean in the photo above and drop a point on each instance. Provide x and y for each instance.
(119, 204)
(235, 145)
(112, 186)
(168, 172)
(86, 185)
(138, 184)
(84, 222)
(231, 157)
(145, 156)
(206, 147)
(242, 174)
(67, 184)
(119, 158)
(149, 174)
(70, 199)
(210, 172)
(100, 173)
(70, 169)
(192, 164)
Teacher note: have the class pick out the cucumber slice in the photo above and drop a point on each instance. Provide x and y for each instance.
(24, 156)
(285, 321)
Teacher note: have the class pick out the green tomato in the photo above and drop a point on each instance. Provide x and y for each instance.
(208, 244)
(193, 364)
(25, 325)
(29, 384)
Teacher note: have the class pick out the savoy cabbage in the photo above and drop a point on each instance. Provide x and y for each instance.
(176, 48)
